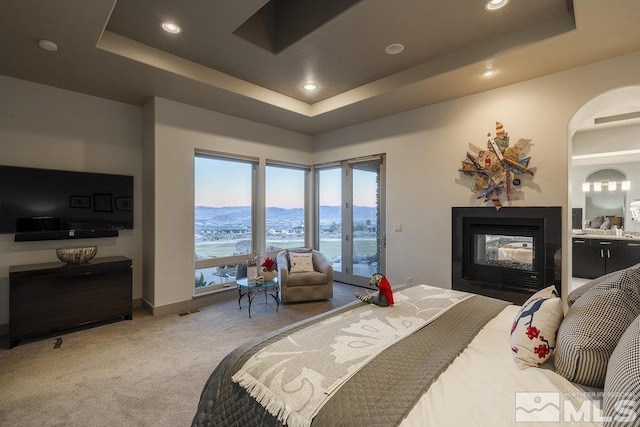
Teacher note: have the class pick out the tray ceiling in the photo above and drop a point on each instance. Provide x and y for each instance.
(251, 58)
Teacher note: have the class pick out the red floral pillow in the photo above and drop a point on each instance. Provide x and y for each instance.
(534, 330)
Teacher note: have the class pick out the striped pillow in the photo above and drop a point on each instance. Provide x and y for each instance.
(593, 325)
(622, 383)
(578, 292)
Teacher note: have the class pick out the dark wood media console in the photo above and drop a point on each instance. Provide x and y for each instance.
(45, 298)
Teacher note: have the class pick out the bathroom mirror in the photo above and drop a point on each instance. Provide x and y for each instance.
(605, 202)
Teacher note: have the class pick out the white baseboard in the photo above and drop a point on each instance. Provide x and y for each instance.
(196, 302)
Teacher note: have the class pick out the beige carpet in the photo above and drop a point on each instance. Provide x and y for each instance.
(146, 372)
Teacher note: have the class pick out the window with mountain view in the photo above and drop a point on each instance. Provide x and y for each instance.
(284, 207)
(224, 218)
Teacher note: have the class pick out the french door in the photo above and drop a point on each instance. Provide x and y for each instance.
(350, 226)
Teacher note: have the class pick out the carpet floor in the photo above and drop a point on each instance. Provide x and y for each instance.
(149, 371)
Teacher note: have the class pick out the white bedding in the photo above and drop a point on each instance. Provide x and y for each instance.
(481, 386)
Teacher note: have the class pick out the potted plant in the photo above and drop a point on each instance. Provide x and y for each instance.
(268, 269)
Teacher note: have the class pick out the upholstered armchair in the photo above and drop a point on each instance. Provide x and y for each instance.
(307, 285)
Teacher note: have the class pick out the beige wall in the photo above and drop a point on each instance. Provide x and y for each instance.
(179, 130)
(45, 127)
(425, 147)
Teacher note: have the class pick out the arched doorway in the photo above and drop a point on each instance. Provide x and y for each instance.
(604, 134)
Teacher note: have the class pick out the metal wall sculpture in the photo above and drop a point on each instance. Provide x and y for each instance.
(498, 170)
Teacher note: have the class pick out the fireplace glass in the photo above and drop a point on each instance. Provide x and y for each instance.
(516, 252)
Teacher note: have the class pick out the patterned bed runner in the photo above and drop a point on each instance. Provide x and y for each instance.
(395, 380)
(381, 393)
(294, 377)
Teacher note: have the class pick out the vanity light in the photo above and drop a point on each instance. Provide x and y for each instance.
(610, 185)
(170, 27)
(496, 4)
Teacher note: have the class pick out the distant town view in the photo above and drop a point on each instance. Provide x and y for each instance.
(226, 231)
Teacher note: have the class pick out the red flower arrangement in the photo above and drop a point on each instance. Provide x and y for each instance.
(268, 265)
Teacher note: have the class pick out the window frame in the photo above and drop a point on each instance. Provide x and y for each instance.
(308, 212)
(254, 162)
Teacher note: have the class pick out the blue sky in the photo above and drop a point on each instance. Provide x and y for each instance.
(221, 183)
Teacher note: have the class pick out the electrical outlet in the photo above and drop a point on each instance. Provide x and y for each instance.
(408, 280)
(397, 228)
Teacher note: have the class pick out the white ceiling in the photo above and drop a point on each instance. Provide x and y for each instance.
(116, 50)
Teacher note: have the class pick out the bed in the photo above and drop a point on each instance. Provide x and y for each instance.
(449, 362)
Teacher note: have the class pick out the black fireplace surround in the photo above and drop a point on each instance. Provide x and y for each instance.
(533, 234)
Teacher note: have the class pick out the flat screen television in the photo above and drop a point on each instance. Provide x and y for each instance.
(46, 204)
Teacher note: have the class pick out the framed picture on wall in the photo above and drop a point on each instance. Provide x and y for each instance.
(102, 203)
(80, 202)
(124, 203)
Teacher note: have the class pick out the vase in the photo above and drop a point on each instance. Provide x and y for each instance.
(268, 275)
(252, 272)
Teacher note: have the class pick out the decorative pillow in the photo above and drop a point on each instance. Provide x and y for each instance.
(296, 251)
(596, 222)
(578, 292)
(593, 325)
(622, 383)
(533, 334)
(300, 262)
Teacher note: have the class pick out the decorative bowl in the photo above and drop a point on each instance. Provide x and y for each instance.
(76, 255)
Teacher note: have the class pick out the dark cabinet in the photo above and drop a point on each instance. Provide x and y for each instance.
(44, 298)
(596, 257)
(586, 261)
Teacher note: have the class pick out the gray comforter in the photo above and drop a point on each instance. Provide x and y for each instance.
(382, 393)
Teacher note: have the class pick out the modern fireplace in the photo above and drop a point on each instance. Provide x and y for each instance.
(509, 253)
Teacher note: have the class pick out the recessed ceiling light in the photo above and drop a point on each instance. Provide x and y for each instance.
(170, 27)
(496, 4)
(310, 86)
(48, 45)
(394, 49)
(489, 72)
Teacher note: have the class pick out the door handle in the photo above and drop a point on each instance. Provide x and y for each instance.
(601, 253)
(608, 254)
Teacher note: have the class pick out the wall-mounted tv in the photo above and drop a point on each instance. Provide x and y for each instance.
(46, 204)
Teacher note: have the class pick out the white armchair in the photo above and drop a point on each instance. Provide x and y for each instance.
(308, 285)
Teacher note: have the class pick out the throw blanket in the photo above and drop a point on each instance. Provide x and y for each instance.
(293, 377)
(381, 394)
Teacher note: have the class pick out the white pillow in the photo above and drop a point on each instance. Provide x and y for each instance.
(533, 334)
(300, 262)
